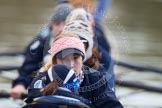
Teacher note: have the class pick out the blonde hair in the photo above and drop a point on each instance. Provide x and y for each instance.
(46, 66)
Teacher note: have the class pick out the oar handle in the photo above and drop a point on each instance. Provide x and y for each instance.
(8, 95)
(23, 96)
(138, 86)
(4, 95)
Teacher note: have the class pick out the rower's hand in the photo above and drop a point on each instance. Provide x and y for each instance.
(17, 91)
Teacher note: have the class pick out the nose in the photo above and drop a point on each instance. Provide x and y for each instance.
(71, 64)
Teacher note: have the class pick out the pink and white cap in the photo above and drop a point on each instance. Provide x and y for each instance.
(67, 43)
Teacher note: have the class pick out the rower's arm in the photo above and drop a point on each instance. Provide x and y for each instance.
(33, 60)
(101, 9)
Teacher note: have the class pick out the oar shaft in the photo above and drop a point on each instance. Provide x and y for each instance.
(11, 53)
(138, 86)
(4, 95)
(7, 95)
(8, 68)
(138, 67)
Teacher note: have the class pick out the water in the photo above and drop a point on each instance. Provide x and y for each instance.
(134, 31)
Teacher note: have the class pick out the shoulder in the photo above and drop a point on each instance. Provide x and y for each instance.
(39, 81)
(37, 42)
(88, 70)
(93, 75)
(44, 35)
(45, 32)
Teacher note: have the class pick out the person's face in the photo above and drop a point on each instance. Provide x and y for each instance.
(57, 28)
(73, 61)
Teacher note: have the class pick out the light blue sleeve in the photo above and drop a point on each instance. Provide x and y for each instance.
(45, 31)
(101, 9)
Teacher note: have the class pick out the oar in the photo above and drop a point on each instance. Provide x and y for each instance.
(8, 68)
(11, 53)
(117, 81)
(119, 63)
(138, 67)
(138, 86)
(7, 95)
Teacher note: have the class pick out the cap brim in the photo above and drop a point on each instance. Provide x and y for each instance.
(62, 54)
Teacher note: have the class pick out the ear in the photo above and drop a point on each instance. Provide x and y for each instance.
(54, 60)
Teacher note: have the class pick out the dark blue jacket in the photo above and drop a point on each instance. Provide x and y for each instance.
(103, 46)
(34, 55)
(94, 88)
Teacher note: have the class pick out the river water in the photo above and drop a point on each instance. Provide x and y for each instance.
(134, 30)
